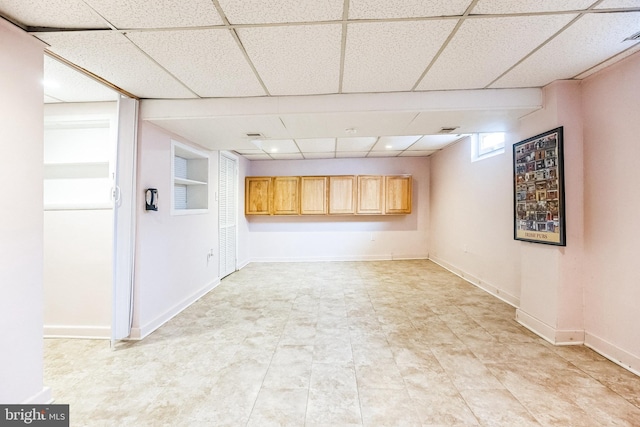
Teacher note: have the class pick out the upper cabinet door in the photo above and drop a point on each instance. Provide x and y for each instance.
(286, 195)
(313, 195)
(342, 195)
(398, 191)
(370, 195)
(257, 198)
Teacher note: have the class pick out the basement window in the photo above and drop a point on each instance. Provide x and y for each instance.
(485, 145)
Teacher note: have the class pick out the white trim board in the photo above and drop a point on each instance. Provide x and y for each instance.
(617, 355)
(485, 286)
(86, 332)
(143, 331)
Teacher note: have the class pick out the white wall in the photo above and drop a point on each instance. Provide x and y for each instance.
(79, 148)
(243, 225)
(21, 222)
(471, 227)
(172, 269)
(323, 238)
(611, 105)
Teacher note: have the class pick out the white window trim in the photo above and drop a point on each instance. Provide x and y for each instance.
(475, 149)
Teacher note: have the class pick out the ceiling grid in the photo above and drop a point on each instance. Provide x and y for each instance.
(350, 55)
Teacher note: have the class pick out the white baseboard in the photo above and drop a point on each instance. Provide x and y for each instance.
(485, 286)
(86, 332)
(549, 333)
(612, 352)
(144, 330)
(43, 397)
(383, 257)
(243, 264)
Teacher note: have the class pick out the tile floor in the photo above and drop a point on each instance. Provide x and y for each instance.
(397, 343)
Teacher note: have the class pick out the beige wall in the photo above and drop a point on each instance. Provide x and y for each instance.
(587, 291)
(611, 105)
(21, 222)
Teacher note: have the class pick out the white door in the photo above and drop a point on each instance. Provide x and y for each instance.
(227, 213)
(124, 195)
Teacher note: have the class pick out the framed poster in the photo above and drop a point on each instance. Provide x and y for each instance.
(538, 196)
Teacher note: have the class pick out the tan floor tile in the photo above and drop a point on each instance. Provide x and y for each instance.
(387, 407)
(279, 408)
(498, 408)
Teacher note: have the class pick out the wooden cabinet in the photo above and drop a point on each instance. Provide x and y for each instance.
(313, 195)
(398, 194)
(285, 195)
(333, 195)
(370, 195)
(257, 195)
(342, 195)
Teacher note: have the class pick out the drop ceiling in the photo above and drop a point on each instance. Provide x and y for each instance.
(324, 79)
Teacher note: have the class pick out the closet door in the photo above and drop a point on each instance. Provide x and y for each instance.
(124, 197)
(227, 213)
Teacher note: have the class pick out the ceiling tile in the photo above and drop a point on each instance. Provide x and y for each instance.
(157, 13)
(590, 40)
(52, 13)
(390, 56)
(351, 154)
(62, 83)
(331, 155)
(257, 156)
(395, 142)
(478, 42)
(111, 56)
(356, 144)
(528, 6)
(287, 156)
(434, 142)
(389, 153)
(334, 124)
(317, 145)
(280, 11)
(194, 58)
(416, 153)
(612, 4)
(381, 9)
(272, 146)
(295, 60)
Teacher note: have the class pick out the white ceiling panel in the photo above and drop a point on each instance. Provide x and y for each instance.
(434, 142)
(356, 143)
(592, 39)
(379, 9)
(384, 153)
(351, 154)
(528, 6)
(157, 13)
(63, 84)
(280, 146)
(335, 124)
(317, 145)
(395, 142)
(279, 11)
(224, 133)
(286, 156)
(194, 58)
(390, 56)
(612, 4)
(257, 156)
(416, 153)
(52, 13)
(429, 123)
(111, 56)
(479, 42)
(295, 59)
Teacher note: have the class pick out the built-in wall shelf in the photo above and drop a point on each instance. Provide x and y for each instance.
(190, 179)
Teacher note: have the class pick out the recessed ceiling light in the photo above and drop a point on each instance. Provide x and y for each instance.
(388, 146)
(50, 84)
(274, 150)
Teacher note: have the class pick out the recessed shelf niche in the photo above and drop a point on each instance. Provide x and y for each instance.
(190, 179)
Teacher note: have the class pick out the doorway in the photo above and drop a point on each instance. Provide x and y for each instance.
(227, 212)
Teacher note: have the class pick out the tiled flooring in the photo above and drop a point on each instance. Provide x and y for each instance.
(398, 343)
